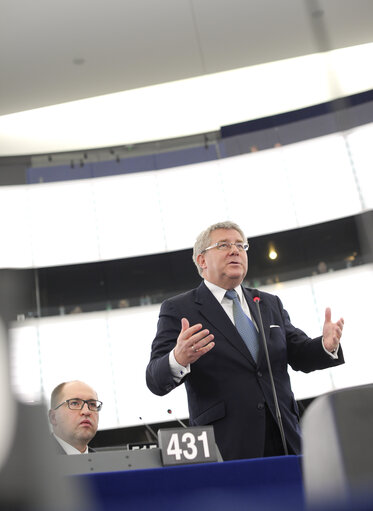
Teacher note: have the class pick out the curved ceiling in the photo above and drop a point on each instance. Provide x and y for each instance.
(55, 52)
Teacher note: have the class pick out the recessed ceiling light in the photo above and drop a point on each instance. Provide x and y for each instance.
(272, 252)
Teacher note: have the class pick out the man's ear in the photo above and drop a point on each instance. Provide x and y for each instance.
(201, 260)
(52, 417)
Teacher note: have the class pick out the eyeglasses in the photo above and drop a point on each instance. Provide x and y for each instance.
(77, 404)
(226, 245)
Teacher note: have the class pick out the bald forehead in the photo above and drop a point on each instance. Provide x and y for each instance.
(77, 389)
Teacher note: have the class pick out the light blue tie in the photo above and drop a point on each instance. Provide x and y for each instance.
(244, 325)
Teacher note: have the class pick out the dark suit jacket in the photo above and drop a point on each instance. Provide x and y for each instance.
(226, 388)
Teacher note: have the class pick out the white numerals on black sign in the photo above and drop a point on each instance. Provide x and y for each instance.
(189, 445)
(191, 452)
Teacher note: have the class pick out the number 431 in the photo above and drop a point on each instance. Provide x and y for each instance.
(191, 451)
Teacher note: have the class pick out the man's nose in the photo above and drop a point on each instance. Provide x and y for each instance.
(85, 410)
(234, 249)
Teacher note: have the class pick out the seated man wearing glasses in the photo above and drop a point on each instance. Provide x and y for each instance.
(208, 338)
(74, 416)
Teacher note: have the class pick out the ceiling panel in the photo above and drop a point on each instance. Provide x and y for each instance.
(52, 52)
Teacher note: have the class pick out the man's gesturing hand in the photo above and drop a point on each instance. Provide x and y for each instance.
(332, 332)
(192, 343)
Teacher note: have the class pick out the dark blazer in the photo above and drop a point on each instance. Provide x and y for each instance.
(225, 387)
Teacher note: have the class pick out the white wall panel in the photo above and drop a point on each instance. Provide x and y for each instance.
(63, 223)
(191, 197)
(360, 145)
(25, 363)
(321, 180)
(15, 228)
(257, 192)
(129, 219)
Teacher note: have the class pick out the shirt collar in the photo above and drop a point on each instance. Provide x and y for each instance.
(219, 292)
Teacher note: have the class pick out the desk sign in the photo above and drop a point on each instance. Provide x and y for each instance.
(187, 445)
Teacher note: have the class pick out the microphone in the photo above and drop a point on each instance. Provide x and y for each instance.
(277, 408)
(178, 420)
(151, 430)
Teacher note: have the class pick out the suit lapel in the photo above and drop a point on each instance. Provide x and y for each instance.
(211, 309)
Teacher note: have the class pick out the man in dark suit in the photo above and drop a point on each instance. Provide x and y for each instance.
(225, 372)
(74, 416)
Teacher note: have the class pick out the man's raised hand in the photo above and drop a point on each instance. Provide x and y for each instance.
(193, 342)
